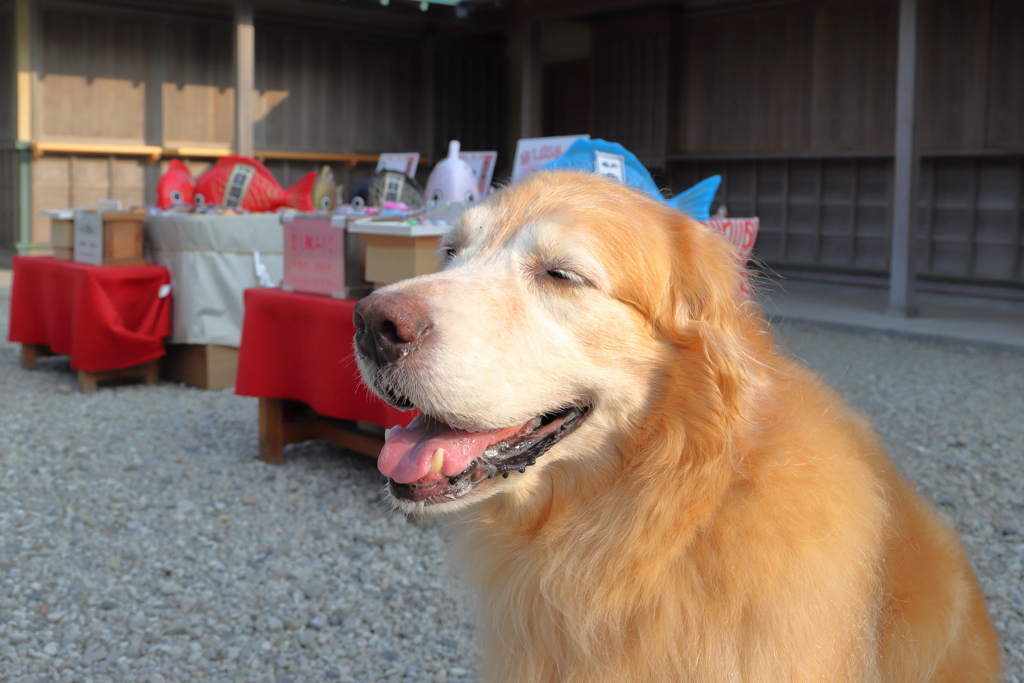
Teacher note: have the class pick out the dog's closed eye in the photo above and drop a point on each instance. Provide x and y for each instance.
(567, 277)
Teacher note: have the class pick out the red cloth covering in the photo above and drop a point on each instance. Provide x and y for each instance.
(104, 318)
(299, 346)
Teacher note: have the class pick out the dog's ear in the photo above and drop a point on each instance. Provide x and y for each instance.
(704, 309)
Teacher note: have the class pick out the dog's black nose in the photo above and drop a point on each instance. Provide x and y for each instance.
(390, 326)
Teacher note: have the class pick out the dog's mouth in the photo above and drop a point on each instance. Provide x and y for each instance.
(431, 462)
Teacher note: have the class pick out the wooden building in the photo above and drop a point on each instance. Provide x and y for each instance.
(794, 102)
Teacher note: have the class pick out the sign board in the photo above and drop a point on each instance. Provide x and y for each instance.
(482, 164)
(741, 234)
(89, 237)
(611, 165)
(403, 163)
(314, 256)
(532, 153)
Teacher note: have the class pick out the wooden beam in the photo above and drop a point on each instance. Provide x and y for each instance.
(23, 98)
(23, 59)
(905, 166)
(245, 76)
(553, 10)
(530, 84)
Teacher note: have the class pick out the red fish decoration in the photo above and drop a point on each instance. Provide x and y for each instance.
(243, 183)
(175, 187)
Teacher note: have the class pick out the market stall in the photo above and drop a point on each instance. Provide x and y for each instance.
(110, 321)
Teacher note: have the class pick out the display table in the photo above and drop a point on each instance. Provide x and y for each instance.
(212, 260)
(297, 358)
(110, 321)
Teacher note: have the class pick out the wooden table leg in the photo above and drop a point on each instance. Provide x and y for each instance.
(31, 352)
(149, 373)
(272, 430)
(86, 381)
(284, 421)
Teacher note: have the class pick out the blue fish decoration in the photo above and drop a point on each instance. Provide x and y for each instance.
(694, 202)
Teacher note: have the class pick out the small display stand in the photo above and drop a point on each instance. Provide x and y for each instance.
(110, 321)
(396, 250)
(296, 357)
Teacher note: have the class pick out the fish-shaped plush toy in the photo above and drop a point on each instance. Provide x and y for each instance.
(325, 190)
(587, 155)
(175, 187)
(237, 182)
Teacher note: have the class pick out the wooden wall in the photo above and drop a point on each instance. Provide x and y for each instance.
(93, 77)
(470, 103)
(814, 76)
(335, 90)
(631, 84)
(973, 80)
(8, 130)
(194, 68)
(8, 197)
(795, 107)
(8, 111)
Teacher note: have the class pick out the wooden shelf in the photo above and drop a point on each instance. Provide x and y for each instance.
(198, 152)
(151, 152)
(154, 153)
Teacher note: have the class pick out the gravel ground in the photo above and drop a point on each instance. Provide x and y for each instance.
(140, 539)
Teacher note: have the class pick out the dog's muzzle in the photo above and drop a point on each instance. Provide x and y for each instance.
(390, 326)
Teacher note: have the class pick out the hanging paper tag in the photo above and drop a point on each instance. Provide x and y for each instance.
(238, 184)
(611, 165)
(393, 184)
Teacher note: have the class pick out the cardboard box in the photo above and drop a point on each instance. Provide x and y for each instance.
(396, 250)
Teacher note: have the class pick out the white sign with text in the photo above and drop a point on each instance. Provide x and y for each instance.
(405, 162)
(532, 153)
(611, 165)
(89, 237)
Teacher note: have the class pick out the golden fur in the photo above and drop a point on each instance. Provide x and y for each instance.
(721, 515)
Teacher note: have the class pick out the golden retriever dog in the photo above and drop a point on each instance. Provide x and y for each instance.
(648, 489)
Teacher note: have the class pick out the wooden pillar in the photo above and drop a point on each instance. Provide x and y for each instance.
(427, 84)
(155, 107)
(906, 165)
(23, 98)
(245, 76)
(530, 84)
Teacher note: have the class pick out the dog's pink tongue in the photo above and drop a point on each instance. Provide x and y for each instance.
(409, 453)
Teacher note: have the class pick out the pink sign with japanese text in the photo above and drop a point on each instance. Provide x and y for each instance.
(314, 256)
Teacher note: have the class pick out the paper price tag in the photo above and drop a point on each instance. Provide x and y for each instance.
(611, 165)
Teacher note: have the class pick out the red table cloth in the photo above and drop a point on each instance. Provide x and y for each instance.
(104, 318)
(299, 346)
